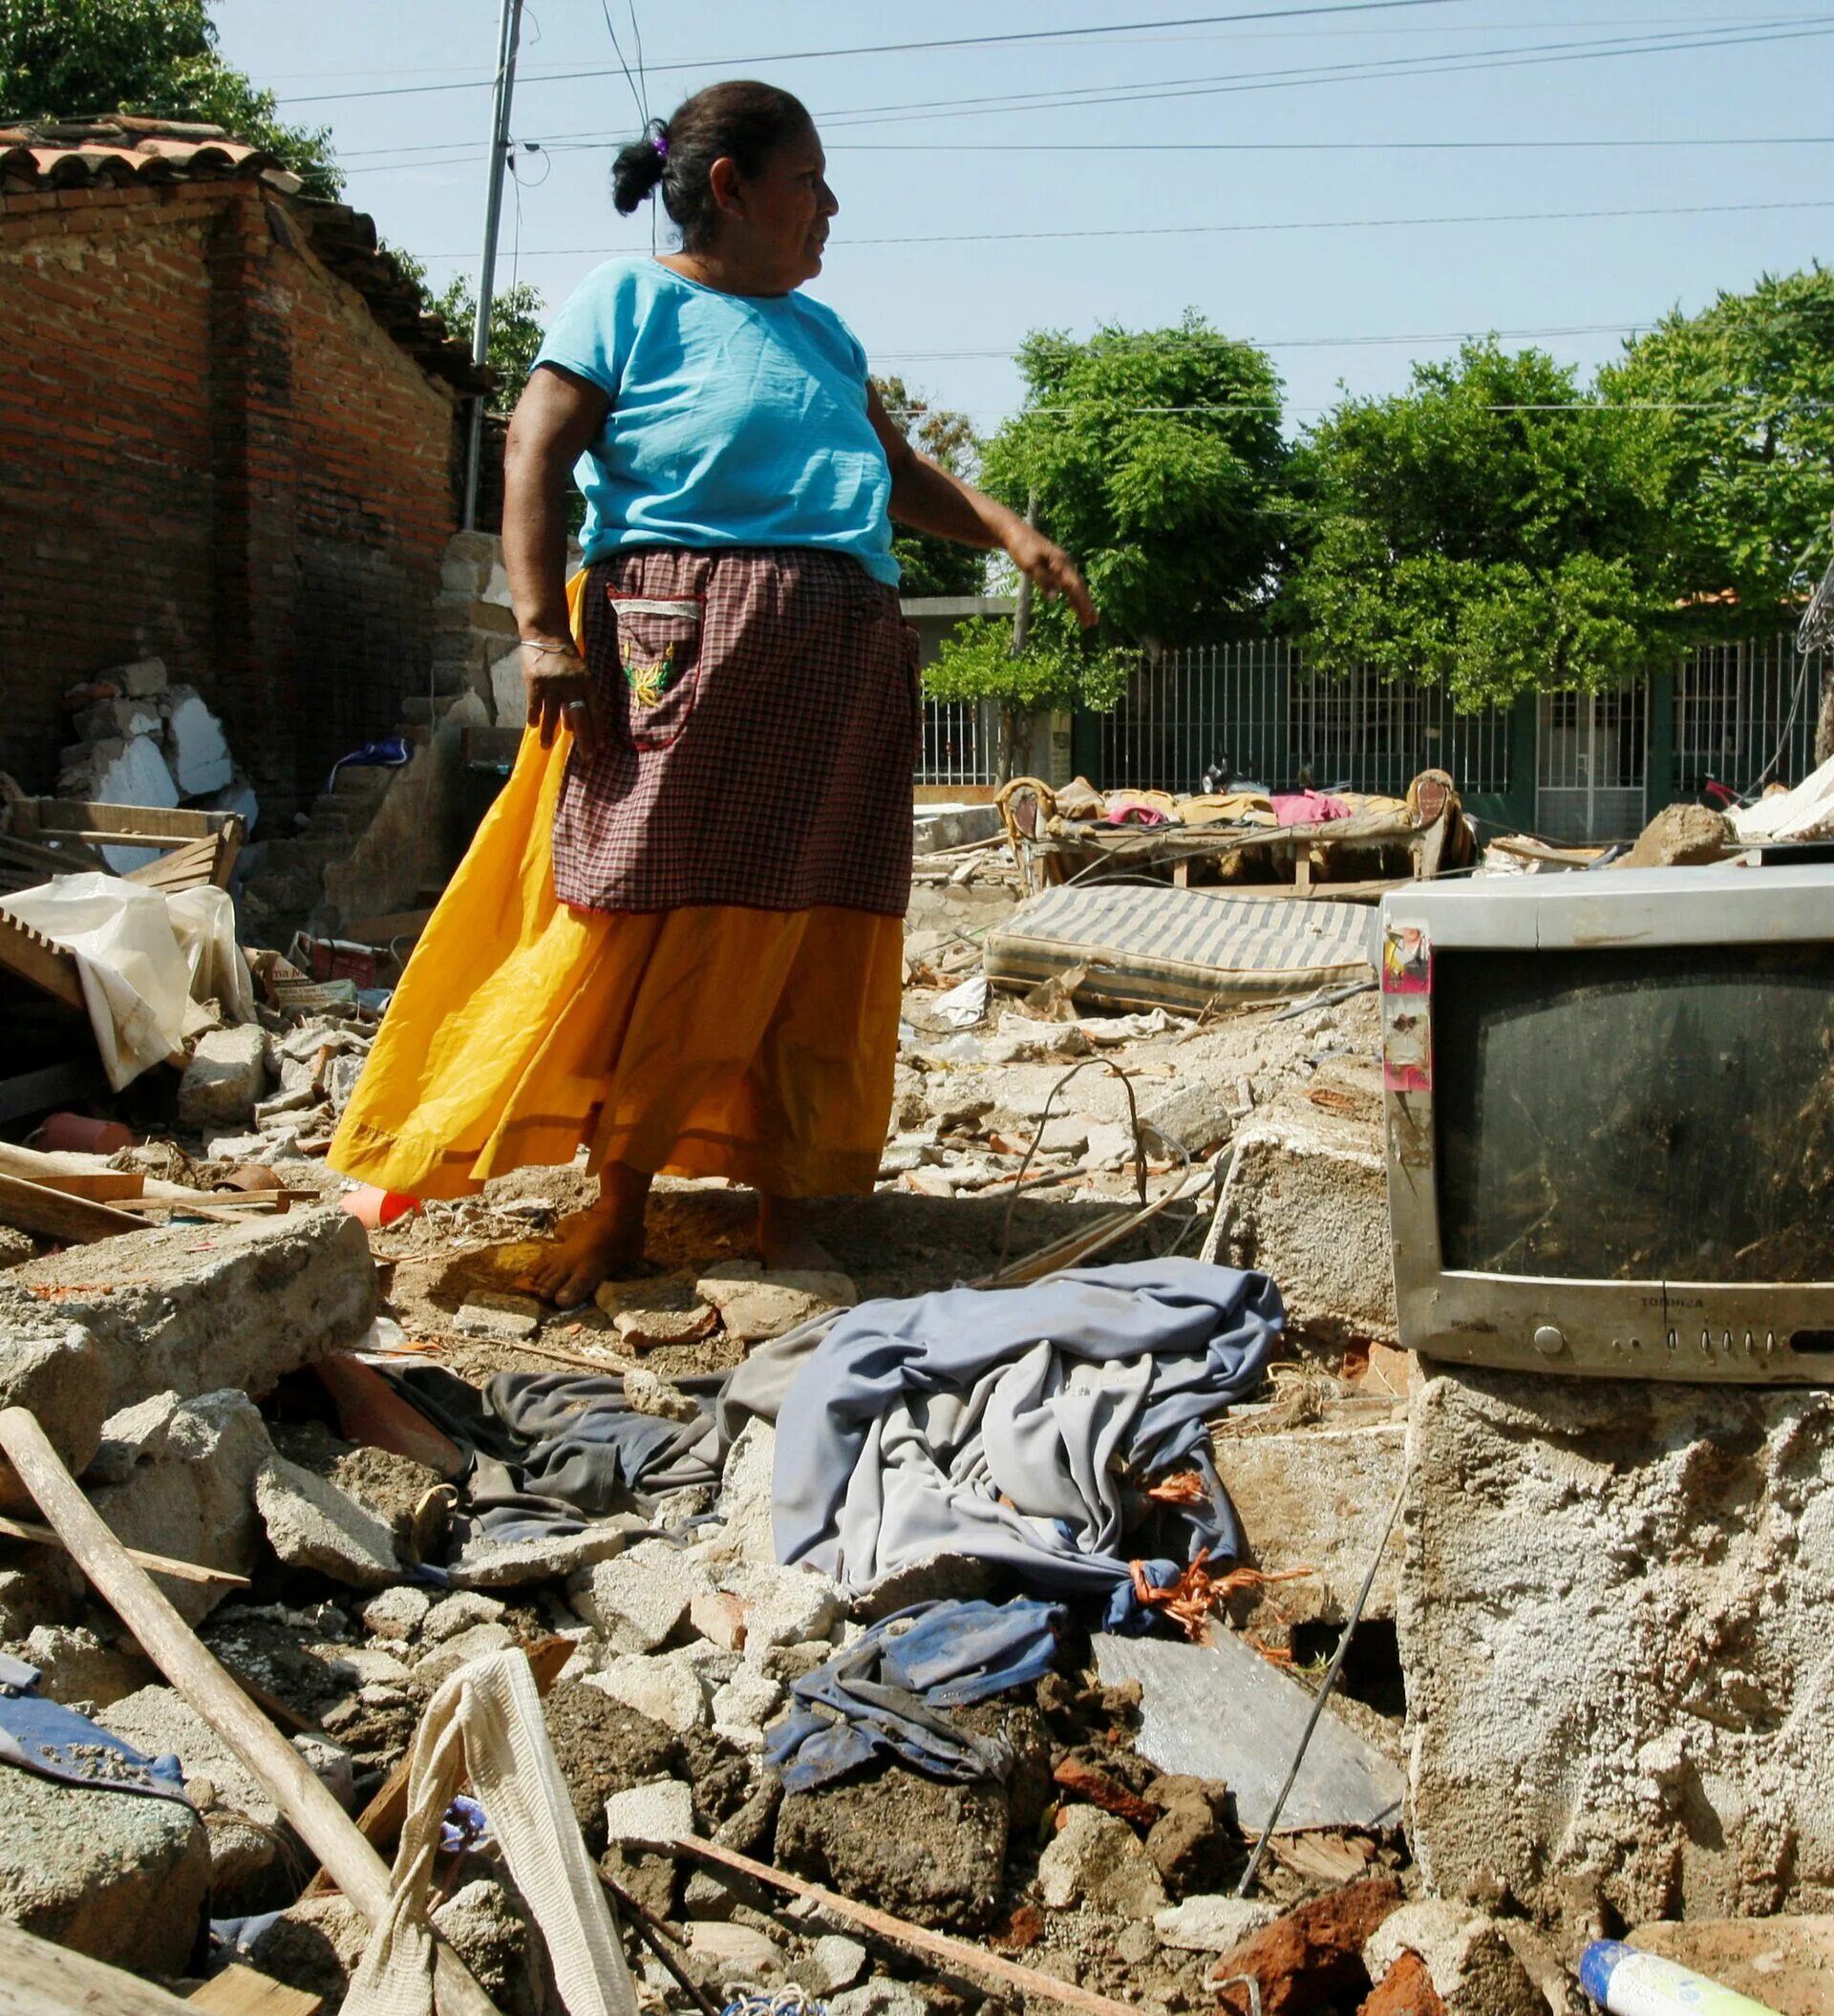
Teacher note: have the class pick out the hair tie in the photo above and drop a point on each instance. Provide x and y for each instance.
(659, 140)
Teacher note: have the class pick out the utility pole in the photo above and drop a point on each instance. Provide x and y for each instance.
(509, 28)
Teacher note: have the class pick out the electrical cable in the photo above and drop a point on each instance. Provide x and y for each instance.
(1256, 228)
(885, 49)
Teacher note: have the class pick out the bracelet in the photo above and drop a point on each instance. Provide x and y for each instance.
(549, 651)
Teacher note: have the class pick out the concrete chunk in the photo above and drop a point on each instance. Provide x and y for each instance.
(651, 1814)
(186, 1471)
(1472, 1968)
(1310, 1208)
(195, 746)
(59, 1373)
(176, 1309)
(754, 1304)
(1614, 1624)
(119, 1876)
(312, 1524)
(225, 1079)
(1316, 1498)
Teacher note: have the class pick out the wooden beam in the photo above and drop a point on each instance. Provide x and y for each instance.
(244, 1992)
(31, 1207)
(154, 1564)
(32, 1091)
(33, 958)
(39, 1979)
(957, 1952)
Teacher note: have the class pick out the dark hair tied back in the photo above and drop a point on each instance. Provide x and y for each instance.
(743, 121)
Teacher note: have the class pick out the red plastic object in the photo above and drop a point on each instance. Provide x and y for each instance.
(373, 1207)
(67, 1133)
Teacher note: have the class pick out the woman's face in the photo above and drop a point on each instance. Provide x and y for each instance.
(783, 212)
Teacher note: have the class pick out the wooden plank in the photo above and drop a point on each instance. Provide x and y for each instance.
(243, 1991)
(957, 1952)
(176, 1650)
(190, 865)
(143, 826)
(100, 1186)
(154, 1564)
(31, 1207)
(31, 956)
(39, 1979)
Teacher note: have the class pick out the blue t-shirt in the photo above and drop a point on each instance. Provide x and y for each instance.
(737, 419)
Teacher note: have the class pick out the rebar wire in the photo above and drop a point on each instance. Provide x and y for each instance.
(1139, 1128)
(1331, 1681)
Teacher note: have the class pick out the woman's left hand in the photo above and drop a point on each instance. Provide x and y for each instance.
(1050, 569)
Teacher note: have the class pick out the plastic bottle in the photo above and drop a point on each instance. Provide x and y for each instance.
(1629, 1982)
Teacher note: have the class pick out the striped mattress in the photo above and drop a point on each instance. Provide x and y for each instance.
(1181, 949)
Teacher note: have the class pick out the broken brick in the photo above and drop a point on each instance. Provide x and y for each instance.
(1085, 1782)
(1312, 1958)
(1406, 1991)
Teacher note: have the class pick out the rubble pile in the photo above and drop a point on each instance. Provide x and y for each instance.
(141, 740)
(361, 1459)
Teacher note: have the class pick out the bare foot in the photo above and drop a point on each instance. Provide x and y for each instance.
(597, 1246)
(786, 1240)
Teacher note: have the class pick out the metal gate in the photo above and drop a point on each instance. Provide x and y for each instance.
(1591, 764)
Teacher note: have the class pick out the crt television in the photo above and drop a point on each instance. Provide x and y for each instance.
(1610, 1113)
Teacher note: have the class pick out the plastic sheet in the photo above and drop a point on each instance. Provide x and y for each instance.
(146, 961)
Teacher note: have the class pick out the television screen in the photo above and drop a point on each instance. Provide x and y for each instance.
(1636, 1114)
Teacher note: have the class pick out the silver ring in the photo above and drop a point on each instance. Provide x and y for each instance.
(576, 706)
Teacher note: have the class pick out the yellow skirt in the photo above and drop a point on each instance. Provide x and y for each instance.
(756, 1045)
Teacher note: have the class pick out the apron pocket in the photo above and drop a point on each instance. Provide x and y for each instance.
(657, 666)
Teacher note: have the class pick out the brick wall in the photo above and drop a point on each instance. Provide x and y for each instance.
(210, 450)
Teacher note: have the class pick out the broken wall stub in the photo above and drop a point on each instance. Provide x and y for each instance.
(177, 1309)
(1309, 1204)
(1613, 1624)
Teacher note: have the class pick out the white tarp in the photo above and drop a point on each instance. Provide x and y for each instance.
(147, 962)
(1805, 813)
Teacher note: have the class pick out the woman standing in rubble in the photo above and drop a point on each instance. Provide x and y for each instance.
(677, 938)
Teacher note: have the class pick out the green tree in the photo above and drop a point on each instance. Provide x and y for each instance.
(1492, 528)
(76, 58)
(1059, 668)
(1155, 459)
(1748, 445)
(517, 321)
(931, 566)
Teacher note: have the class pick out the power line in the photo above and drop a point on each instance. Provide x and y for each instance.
(885, 49)
(1527, 55)
(593, 141)
(1340, 224)
(1161, 345)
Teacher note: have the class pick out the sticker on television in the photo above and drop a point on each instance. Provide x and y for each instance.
(1407, 1029)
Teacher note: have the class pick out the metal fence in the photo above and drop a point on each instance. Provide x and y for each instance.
(1745, 712)
(959, 739)
(1254, 709)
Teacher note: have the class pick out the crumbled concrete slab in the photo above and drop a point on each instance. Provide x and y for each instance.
(743, 1705)
(58, 1373)
(929, 1852)
(650, 1816)
(744, 1504)
(313, 1947)
(176, 1308)
(1310, 1207)
(648, 1314)
(1472, 1966)
(242, 1821)
(186, 1472)
(640, 1601)
(783, 1606)
(1212, 1923)
(224, 1080)
(195, 746)
(73, 1665)
(312, 1524)
(119, 1876)
(1316, 1498)
(511, 1564)
(473, 1642)
(508, 1319)
(397, 1612)
(1097, 1859)
(754, 1305)
(667, 1690)
(1614, 1622)
(488, 1929)
(880, 1998)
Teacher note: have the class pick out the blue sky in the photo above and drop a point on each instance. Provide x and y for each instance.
(911, 160)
